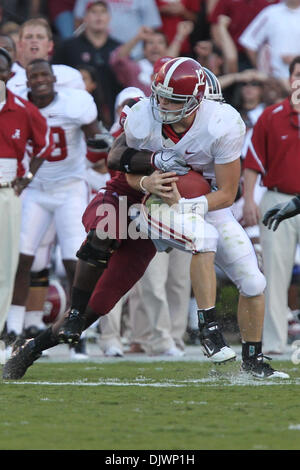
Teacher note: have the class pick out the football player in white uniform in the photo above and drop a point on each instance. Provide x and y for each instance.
(35, 41)
(60, 193)
(206, 136)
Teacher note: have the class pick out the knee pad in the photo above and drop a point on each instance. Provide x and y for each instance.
(253, 284)
(40, 278)
(97, 253)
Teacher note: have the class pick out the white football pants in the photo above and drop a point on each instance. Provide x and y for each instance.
(64, 205)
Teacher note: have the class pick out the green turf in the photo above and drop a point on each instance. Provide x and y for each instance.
(161, 405)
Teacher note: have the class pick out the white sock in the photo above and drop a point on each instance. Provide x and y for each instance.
(193, 316)
(34, 318)
(15, 319)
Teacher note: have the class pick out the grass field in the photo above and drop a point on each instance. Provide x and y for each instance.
(149, 406)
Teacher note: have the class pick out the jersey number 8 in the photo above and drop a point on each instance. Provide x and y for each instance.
(60, 150)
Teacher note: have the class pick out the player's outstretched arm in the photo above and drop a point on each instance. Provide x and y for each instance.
(274, 216)
(129, 160)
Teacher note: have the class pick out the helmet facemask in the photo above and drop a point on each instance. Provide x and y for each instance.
(189, 104)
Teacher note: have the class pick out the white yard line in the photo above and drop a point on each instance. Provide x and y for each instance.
(211, 382)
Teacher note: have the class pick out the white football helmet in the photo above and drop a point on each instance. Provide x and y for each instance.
(180, 80)
(213, 89)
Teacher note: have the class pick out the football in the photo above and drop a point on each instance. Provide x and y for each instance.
(55, 303)
(192, 185)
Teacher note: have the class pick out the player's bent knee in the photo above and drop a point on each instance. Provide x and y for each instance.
(97, 252)
(253, 285)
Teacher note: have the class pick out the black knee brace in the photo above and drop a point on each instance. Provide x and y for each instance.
(40, 278)
(99, 255)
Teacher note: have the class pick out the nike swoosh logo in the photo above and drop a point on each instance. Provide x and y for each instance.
(189, 153)
(208, 350)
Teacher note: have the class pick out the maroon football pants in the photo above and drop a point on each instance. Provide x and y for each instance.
(126, 265)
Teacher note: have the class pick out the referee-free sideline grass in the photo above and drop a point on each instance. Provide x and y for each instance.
(149, 406)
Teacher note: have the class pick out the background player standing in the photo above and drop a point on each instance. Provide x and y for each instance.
(60, 192)
(21, 121)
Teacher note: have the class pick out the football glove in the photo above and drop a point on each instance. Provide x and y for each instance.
(169, 160)
(274, 216)
(100, 142)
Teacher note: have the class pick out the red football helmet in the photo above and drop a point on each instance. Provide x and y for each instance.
(55, 303)
(180, 80)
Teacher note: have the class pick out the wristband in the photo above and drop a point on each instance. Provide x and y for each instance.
(141, 184)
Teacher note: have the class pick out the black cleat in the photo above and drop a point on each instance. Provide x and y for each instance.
(214, 345)
(262, 370)
(23, 356)
(72, 327)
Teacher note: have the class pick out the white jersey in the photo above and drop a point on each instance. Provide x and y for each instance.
(65, 77)
(69, 110)
(215, 137)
